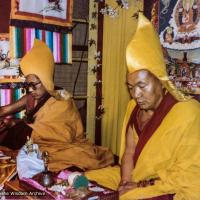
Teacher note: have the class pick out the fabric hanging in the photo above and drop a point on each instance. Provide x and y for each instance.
(21, 41)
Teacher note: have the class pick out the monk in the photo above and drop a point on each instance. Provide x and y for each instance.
(52, 119)
(160, 151)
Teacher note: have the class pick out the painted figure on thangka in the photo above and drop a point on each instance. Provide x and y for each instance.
(60, 9)
(53, 5)
(4, 51)
(8, 66)
(178, 24)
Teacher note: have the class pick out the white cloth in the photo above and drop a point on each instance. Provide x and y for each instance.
(29, 163)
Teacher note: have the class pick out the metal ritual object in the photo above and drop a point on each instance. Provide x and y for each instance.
(47, 177)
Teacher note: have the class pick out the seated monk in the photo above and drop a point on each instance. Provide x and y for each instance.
(160, 141)
(52, 119)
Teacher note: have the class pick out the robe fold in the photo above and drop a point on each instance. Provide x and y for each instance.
(57, 128)
(171, 155)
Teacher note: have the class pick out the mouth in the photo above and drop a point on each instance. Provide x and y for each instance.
(33, 95)
(140, 102)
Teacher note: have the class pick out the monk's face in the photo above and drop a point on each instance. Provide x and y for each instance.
(35, 86)
(145, 88)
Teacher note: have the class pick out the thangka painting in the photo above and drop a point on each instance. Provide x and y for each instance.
(178, 24)
(53, 15)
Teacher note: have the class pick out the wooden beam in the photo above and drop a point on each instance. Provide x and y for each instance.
(79, 60)
(99, 76)
(80, 21)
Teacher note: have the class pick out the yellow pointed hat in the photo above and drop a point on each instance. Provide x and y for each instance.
(144, 52)
(39, 61)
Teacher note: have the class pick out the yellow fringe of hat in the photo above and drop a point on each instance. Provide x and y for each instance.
(144, 52)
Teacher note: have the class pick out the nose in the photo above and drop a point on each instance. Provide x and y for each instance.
(30, 89)
(137, 93)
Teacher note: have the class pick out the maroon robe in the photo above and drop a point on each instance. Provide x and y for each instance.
(145, 134)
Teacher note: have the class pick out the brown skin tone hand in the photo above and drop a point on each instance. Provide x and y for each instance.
(127, 161)
(2, 125)
(14, 107)
(126, 186)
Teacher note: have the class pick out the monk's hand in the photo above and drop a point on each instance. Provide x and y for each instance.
(125, 186)
(9, 122)
(2, 125)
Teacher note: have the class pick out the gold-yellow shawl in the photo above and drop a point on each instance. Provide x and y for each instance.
(172, 154)
(58, 129)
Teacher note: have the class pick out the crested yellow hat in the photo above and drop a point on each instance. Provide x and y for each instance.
(144, 52)
(39, 61)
